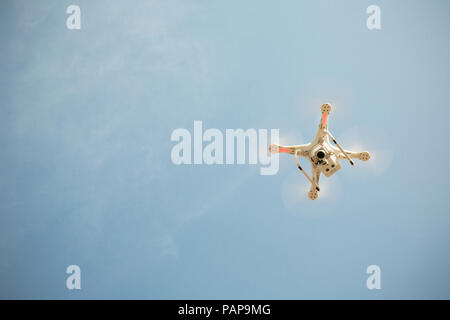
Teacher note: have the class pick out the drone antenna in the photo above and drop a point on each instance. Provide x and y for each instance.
(303, 171)
(340, 148)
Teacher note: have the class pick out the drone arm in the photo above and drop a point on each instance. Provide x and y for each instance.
(316, 175)
(326, 109)
(350, 154)
(273, 148)
(340, 148)
(305, 174)
(363, 155)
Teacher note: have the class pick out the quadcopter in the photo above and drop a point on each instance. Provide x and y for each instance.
(324, 157)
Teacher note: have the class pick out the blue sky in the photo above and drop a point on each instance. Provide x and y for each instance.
(86, 174)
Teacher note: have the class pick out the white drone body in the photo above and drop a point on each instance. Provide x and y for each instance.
(323, 156)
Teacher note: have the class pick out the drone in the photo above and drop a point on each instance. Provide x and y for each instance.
(323, 156)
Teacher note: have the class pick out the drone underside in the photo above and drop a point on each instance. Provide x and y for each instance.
(323, 156)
